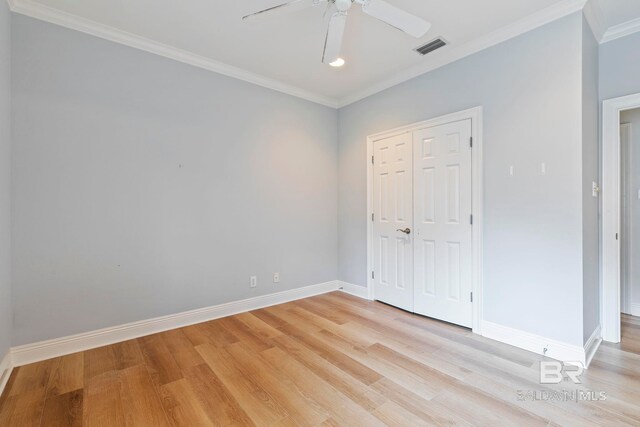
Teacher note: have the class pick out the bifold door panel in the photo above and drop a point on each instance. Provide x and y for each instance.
(393, 219)
(442, 222)
(422, 222)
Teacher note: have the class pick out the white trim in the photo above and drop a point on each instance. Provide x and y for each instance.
(635, 309)
(74, 22)
(475, 114)
(592, 345)
(534, 343)
(5, 371)
(626, 225)
(44, 350)
(610, 245)
(452, 54)
(621, 30)
(595, 19)
(355, 290)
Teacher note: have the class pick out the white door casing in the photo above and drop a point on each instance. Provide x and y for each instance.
(393, 211)
(442, 222)
(626, 225)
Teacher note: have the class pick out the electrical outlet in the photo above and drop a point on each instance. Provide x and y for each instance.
(276, 277)
(254, 281)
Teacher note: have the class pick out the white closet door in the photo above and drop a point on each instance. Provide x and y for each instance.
(442, 212)
(393, 221)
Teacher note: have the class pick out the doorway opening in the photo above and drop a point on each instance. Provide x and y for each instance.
(630, 226)
(620, 240)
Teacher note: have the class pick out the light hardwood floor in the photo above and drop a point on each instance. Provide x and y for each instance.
(328, 360)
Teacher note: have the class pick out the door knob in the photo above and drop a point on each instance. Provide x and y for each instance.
(405, 231)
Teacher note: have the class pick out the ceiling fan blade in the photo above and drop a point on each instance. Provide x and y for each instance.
(283, 8)
(398, 18)
(335, 33)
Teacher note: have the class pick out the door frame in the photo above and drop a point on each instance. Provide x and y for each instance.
(610, 226)
(625, 240)
(475, 114)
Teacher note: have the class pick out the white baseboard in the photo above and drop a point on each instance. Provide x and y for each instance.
(534, 343)
(5, 371)
(355, 290)
(635, 309)
(592, 345)
(44, 350)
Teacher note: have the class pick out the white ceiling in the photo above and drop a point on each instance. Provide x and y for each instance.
(285, 52)
(616, 12)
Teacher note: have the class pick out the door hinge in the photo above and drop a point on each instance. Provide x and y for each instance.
(372, 217)
(371, 159)
(373, 274)
(616, 236)
(471, 296)
(471, 219)
(471, 142)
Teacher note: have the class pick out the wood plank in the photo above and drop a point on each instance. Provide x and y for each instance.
(215, 398)
(302, 409)
(141, 404)
(64, 410)
(343, 409)
(98, 361)
(346, 384)
(268, 318)
(32, 377)
(352, 367)
(102, 403)
(244, 333)
(181, 349)
(429, 411)
(255, 401)
(127, 354)
(23, 409)
(182, 405)
(263, 329)
(67, 375)
(159, 360)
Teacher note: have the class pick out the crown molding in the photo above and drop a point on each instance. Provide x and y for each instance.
(447, 56)
(595, 19)
(54, 16)
(621, 30)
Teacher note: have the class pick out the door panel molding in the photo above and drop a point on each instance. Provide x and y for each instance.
(475, 115)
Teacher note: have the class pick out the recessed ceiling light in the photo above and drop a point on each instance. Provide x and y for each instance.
(337, 63)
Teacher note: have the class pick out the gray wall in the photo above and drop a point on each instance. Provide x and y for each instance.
(620, 67)
(531, 91)
(145, 187)
(633, 117)
(590, 174)
(5, 175)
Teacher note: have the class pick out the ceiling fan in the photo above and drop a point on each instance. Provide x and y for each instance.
(379, 9)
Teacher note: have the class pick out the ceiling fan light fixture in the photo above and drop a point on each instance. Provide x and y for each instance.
(337, 63)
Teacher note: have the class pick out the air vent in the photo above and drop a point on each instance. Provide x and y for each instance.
(431, 46)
